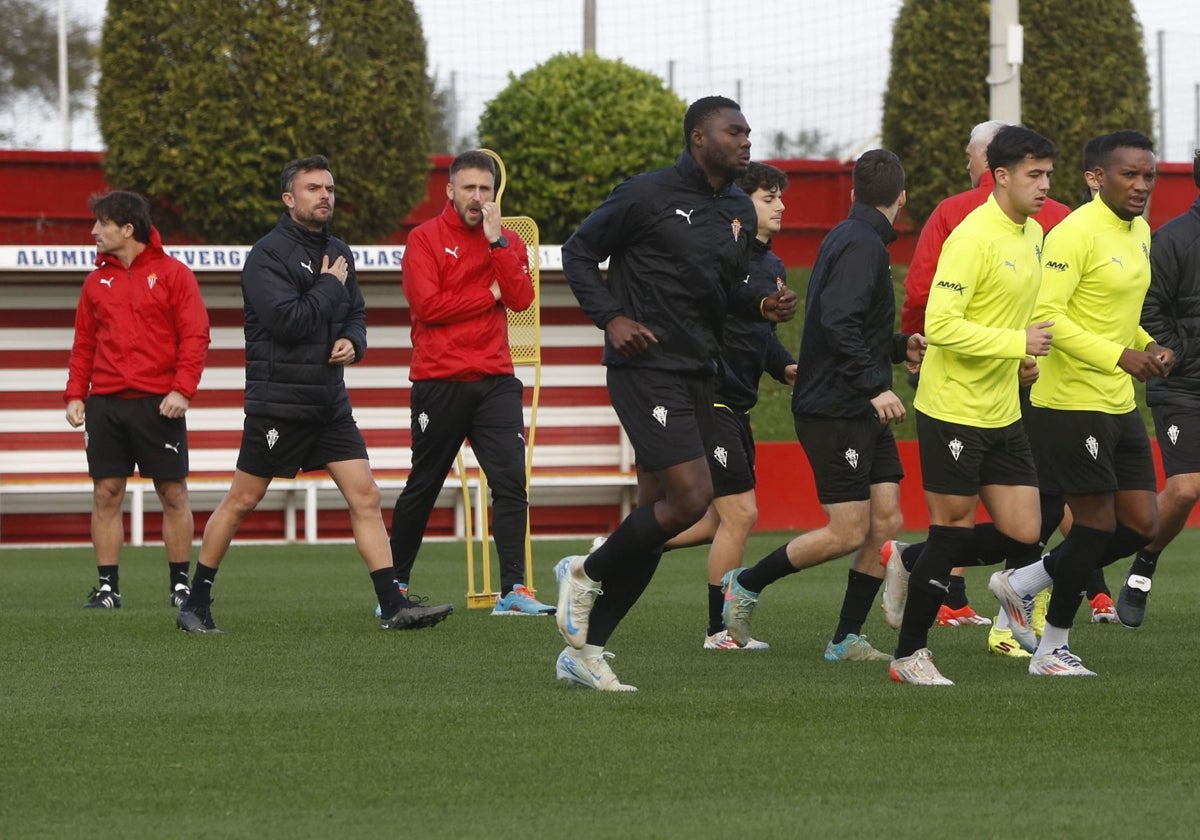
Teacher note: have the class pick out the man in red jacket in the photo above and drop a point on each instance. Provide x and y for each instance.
(461, 272)
(141, 336)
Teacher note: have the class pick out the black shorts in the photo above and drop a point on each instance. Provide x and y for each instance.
(667, 415)
(957, 460)
(848, 456)
(1093, 452)
(120, 432)
(731, 456)
(281, 448)
(1178, 433)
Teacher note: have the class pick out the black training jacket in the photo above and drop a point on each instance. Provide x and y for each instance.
(752, 346)
(1171, 312)
(679, 258)
(849, 343)
(293, 316)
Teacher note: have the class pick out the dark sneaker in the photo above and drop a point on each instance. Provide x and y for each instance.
(414, 616)
(196, 619)
(1131, 600)
(179, 593)
(103, 599)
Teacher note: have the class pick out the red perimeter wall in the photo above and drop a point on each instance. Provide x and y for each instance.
(45, 201)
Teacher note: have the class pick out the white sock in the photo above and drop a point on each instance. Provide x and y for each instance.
(1002, 621)
(1031, 579)
(1052, 637)
(588, 651)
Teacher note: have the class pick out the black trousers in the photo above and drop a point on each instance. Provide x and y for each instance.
(487, 413)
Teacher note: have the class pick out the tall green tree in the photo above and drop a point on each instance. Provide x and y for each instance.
(29, 53)
(1084, 74)
(202, 102)
(571, 129)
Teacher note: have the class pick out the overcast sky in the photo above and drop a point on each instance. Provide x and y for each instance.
(793, 64)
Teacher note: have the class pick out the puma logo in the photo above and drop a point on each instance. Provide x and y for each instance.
(106, 281)
(453, 253)
(1118, 261)
(174, 447)
(687, 215)
(307, 266)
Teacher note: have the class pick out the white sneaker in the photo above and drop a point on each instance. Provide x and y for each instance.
(721, 640)
(895, 583)
(917, 669)
(1018, 607)
(588, 671)
(576, 595)
(1059, 662)
(596, 543)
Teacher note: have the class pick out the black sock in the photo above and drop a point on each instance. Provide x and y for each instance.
(945, 549)
(1076, 558)
(1096, 584)
(621, 591)
(716, 603)
(1054, 509)
(638, 536)
(992, 546)
(1145, 563)
(179, 574)
(109, 575)
(386, 590)
(1125, 541)
(908, 557)
(860, 594)
(956, 593)
(202, 581)
(767, 570)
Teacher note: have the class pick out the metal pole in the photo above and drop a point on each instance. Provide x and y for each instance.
(1196, 132)
(1004, 69)
(64, 109)
(1162, 91)
(589, 27)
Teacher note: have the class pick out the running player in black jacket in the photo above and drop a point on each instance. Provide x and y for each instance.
(678, 243)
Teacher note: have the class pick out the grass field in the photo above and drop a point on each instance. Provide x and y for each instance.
(304, 720)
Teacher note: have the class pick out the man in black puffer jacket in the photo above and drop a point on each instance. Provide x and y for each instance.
(1171, 313)
(305, 321)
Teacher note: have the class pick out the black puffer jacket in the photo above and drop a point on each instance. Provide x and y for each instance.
(679, 257)
(293, 316)
(1171, 313)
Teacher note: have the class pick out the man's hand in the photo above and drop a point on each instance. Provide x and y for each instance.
(628, 337)
(340, 268)
(888, 408)
(75, 413)
(1165, 355)
(495, 289)
(779, 306)
(343, 352)
(174, 405)
(491, 220)
(789, 374)
(1028, 372)
(1037, 338)
(915, 353)
(1143, 364)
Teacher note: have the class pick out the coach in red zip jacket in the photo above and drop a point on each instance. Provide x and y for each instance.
(141, 336)
(461, 272)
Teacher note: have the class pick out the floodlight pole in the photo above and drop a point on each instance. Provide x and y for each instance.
(1006, 57)
(589, 27)
(64, 108)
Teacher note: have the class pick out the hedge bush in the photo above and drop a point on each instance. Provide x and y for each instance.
(202, 102)
(571, 129)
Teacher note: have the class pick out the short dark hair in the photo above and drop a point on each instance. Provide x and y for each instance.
(1091, 153)
(701, 110)
(305, 164)
(762, 176)
(474, 159)
(124, 208)
(1125, 138)
(1013, 143)
(878, 178)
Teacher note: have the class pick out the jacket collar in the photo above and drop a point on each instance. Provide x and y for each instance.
(694, 176)
(152, 250)
(877, 221)
(451, 218)
(297, 231)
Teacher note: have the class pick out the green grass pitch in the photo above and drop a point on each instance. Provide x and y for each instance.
(303, 720)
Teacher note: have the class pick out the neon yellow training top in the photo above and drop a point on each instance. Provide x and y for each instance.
(1095, 273)
(980, 303)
